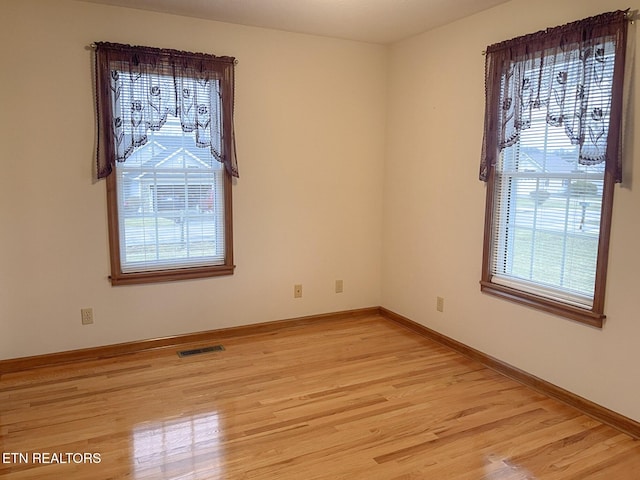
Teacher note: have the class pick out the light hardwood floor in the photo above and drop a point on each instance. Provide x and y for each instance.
(358, 398)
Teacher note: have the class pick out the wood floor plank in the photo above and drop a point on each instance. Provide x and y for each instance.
(350, 398)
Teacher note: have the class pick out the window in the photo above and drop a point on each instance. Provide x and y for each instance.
(551, 157)
(165, 146)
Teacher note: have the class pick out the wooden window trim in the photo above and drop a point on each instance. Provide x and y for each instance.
(595, 316)
(118, 277)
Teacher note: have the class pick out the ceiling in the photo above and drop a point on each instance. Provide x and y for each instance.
(375, 21)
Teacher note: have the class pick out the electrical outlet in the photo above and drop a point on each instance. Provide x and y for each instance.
(339, 286)
(440, 304)
(297, 291)
(87, 316)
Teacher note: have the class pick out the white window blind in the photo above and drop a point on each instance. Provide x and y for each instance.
(548, 204)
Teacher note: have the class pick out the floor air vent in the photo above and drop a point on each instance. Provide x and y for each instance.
(197, 351)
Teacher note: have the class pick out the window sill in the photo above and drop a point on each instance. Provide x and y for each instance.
(581, 315)
(171, 275)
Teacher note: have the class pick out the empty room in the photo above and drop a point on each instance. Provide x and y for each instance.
(302, 239)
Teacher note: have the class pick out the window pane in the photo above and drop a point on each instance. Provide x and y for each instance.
(171, 204)
(547, 222)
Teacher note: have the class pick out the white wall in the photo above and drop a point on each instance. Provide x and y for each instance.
(310, 125)
(434, 214)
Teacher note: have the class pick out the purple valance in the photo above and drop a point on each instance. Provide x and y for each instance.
(572, 75)
(138, 87)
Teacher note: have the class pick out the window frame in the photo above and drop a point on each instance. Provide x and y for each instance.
(595, 316)
(607, 24)
(106, 155)
(118, 277)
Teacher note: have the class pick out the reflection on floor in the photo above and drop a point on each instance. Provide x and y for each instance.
(175, 444)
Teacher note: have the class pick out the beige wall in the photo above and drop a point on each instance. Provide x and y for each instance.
(357, 162)
(434, 213)
(310, 121)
